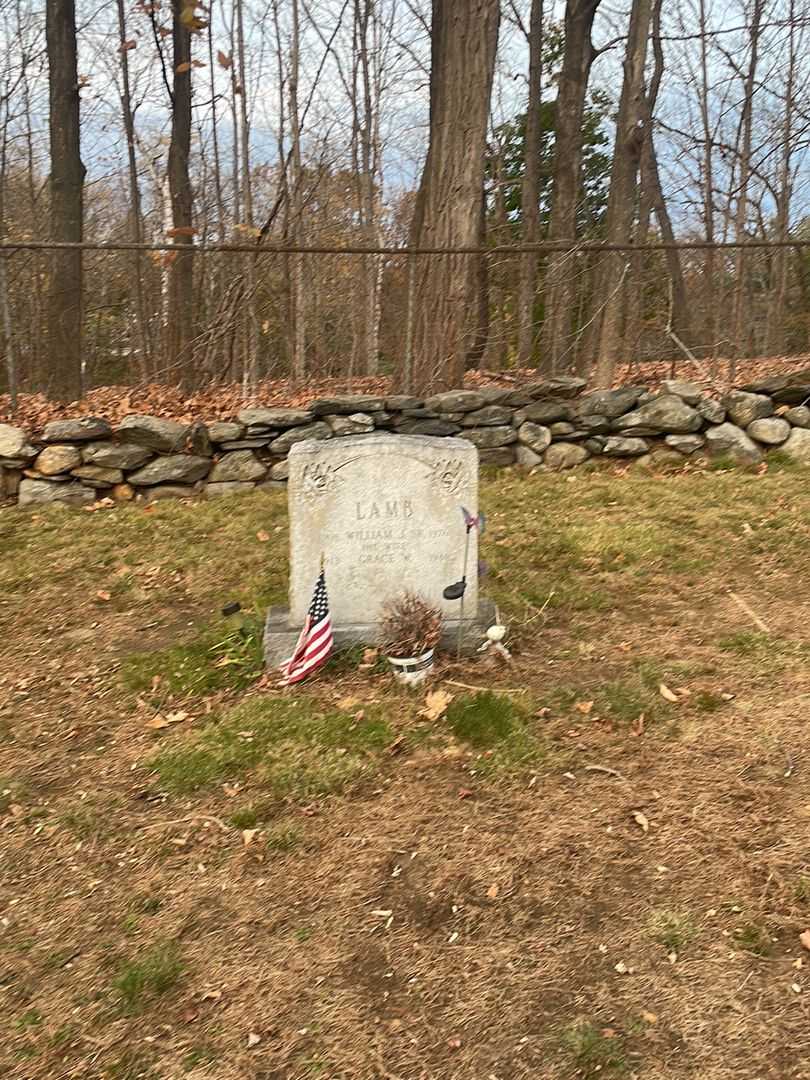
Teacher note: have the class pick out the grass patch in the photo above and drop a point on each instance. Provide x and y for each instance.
(84, 821)
(223, 658)
(594, 1050)
(708, 701)
(295, 748)
(483, 719)
(156, 971)
(673, 930)
(494, 725)
(283, 839)
(31, 1018)
(802, 890)
(753, 938)
(746, 643)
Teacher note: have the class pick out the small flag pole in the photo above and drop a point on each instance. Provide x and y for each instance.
(464, 579)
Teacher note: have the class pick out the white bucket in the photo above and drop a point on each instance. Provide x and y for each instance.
(412, 670)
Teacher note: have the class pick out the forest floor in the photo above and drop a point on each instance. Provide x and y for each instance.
(590, 862)
(222, 401)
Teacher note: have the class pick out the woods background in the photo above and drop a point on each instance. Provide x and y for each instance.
(552, 161)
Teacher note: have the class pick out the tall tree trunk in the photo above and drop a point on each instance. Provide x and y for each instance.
(707, 168)
(496, 350)
(464, 40)
(623, 190)
(578, 55)
(741, 291)
(298, 297)
(680, 322)
(776, 342)
(66, 188)
(530, 192)
(366, 125)
(180, 329)
(250, 324)
(9, 345)
(136, 231)
(37, 375)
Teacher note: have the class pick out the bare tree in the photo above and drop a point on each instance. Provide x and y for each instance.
(448, 211)
(136, 230)
(65, 314)
(180, 329)
(366, 136)
(745, 134)
(776, 338)
(623, 189)
(298, 293)
(530, 195)
(679, 322)
(578, 56)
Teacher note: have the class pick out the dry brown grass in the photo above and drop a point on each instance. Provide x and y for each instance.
(148, 934)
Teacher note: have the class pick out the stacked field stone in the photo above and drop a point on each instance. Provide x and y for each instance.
(550, 423)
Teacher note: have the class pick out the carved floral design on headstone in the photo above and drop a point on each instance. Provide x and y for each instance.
(448, 474)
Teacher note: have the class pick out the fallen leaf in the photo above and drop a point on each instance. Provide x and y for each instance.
(649, 1017)
(102, 594)
(621, 967)
(157, 723)
(454, 1044)
(211, 995)
(176, 717)
(642, 820)
(493, 891)
(253, 1040)
(248, 836)
(436, 703)
(665, 692)
(804, 938)
(584, 707)
(465, 793)
(262, 536)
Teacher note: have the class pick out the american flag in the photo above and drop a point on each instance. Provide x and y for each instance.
(315, 642)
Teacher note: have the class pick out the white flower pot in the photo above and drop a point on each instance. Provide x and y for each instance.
(411, 670)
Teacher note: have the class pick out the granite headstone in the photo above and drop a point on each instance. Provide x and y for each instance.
(384, 514)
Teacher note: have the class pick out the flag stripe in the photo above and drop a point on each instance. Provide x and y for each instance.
(314, 654)
(310, 665)
(315, 641)
(311, 661)
(312, 637)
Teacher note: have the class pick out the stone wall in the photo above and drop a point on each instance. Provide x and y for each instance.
(551, 423)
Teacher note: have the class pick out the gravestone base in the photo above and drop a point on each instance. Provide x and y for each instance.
(279, 639)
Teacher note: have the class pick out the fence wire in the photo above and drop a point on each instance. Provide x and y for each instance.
(267, 311)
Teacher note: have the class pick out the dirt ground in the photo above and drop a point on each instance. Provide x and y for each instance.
(601, 868)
